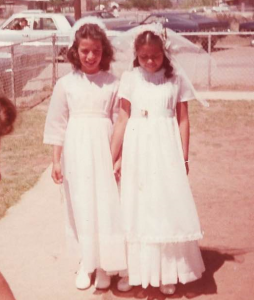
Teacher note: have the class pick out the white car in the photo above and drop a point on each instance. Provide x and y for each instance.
(221, 8)
(201, 9)
(39, 24)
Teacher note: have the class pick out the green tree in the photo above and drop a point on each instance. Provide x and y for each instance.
(143, 4)
(193, 3)
(165, 3)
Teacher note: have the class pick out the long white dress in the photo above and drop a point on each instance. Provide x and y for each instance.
(160, 217)
(79, 119)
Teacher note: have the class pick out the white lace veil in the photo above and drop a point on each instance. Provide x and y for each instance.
(83, 21)
(182, 53)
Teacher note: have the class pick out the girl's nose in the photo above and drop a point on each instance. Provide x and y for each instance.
(90, 55)
(149, 61)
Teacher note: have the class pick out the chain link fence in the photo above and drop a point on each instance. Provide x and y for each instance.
(232, 64)
(29, 71)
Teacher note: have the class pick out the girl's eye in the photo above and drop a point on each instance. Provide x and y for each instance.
(153, 57)
(95, 52)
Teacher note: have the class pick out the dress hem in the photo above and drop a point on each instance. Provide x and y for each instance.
(138, 239)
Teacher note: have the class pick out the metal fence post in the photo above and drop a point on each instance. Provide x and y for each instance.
(13, 88)
(53, 60)
(209, 66)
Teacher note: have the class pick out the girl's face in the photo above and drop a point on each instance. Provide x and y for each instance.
(90, 54)
(150, 57)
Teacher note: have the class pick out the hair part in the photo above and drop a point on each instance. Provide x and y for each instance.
(148, 37)
(93, 32)
(8, 116)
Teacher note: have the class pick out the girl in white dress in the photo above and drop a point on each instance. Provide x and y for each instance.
(79, 126)
(160, 217)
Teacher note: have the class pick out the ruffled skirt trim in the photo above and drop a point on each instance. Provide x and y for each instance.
(167, 263)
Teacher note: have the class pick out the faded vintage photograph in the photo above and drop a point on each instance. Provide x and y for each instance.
(126, 149)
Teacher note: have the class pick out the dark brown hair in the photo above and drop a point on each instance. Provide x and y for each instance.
(8, 115)
(148, 37)
(94, 32)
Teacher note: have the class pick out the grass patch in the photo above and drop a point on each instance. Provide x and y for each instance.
(23, 156)
(226, 115)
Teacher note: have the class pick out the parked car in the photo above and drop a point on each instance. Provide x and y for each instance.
(221, 8)
(109, 19)
(185, 22)
(39, 25)
(201, 9)
(246, 26)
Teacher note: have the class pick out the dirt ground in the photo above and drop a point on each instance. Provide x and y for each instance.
(32, 239)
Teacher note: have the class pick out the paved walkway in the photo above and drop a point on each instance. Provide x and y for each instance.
(226, 95)
(35, 265)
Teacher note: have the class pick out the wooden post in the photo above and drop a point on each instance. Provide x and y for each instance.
(13, 87)
(53, 60)
(77, 9)
(209, 66)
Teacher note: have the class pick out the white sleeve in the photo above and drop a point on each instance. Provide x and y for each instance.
(186, 90)
(124, 90)
(57, 117)
(115, 104)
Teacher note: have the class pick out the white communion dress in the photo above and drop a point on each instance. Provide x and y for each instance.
(160, 217)
(79, 119)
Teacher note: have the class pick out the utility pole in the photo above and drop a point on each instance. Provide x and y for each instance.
(158, 4)
(77, 9)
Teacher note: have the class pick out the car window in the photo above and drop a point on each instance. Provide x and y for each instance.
(106, 15)
(13, 23)
(44, 24)
(154, 19)
(70, 19)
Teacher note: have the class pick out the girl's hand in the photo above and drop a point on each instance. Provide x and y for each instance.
(117, 169)
(57, 173)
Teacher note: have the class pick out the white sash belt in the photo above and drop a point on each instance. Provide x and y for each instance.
(142, 113)
(89, 114)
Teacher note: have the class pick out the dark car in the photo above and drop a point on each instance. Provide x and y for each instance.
(205, 23)
(246, 26)
(108, 18)
(172, 22)
(185, 22)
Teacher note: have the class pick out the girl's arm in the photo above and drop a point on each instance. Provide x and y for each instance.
(56, 173)
(55, 127)
(119, 129)
(184, 127)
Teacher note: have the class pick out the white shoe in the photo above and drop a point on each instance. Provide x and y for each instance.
(123, 285)
(83, 279)
(102, 280)
(168, 289)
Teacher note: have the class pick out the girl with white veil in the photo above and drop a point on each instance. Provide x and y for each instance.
(160, 218)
